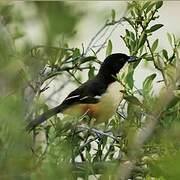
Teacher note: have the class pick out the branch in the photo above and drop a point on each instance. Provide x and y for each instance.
(93, 40)
(102, 46)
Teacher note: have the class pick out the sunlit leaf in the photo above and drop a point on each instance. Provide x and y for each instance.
(109, 48)
(147, 84)
(169, 39)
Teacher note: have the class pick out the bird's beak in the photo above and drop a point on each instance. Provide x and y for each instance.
(132, 59)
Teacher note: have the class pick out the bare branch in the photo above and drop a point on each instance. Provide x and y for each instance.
(102, 32)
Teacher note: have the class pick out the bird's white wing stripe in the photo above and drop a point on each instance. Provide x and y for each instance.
(85, 97)
(72, 97)
(95, 97)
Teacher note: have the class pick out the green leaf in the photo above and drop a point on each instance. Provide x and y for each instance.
(143, 56)
(132, 45)
(129, 38)
(174, 39)
(149, 58)
(129, 79)
(109, 48)
(146, 4)
(132, 99)
(173, 102)
(142, 39)
(76, 53)
(155, 44)
(132, 13)
(137, 10)
(88, 156)
(169, 39)
(150, 7)
(132, 35)
(113, 15)
(159, 4)
(155, 28)
(127, 32)
(91, 72)
(165, 53)
(147, 84)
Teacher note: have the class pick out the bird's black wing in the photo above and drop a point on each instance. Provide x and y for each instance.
(88, 93)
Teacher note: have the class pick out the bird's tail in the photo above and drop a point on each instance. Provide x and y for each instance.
(45, 116)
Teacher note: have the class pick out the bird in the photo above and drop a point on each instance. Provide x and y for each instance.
(91, 95)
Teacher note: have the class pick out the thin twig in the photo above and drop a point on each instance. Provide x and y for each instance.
(72, 75)
(97, 131)
(58, 90)
(105, 41)
(86, 143)
(93, 40)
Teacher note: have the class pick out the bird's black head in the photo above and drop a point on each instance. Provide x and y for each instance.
(112, 65)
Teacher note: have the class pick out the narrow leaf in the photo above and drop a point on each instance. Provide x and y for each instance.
(155, 44)
(127, 32)
(113, 15)
(155, 27)
(132, 99)
(129, 79)
(76, 53)
(91, 72)
(165, 53)
(159, 4)
(142, 39)
(147, 84)
(109, 48)
(150, 7)
(132, 35)
(169, 38)
(146, 4)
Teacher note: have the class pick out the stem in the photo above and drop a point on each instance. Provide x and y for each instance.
(150, 50)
